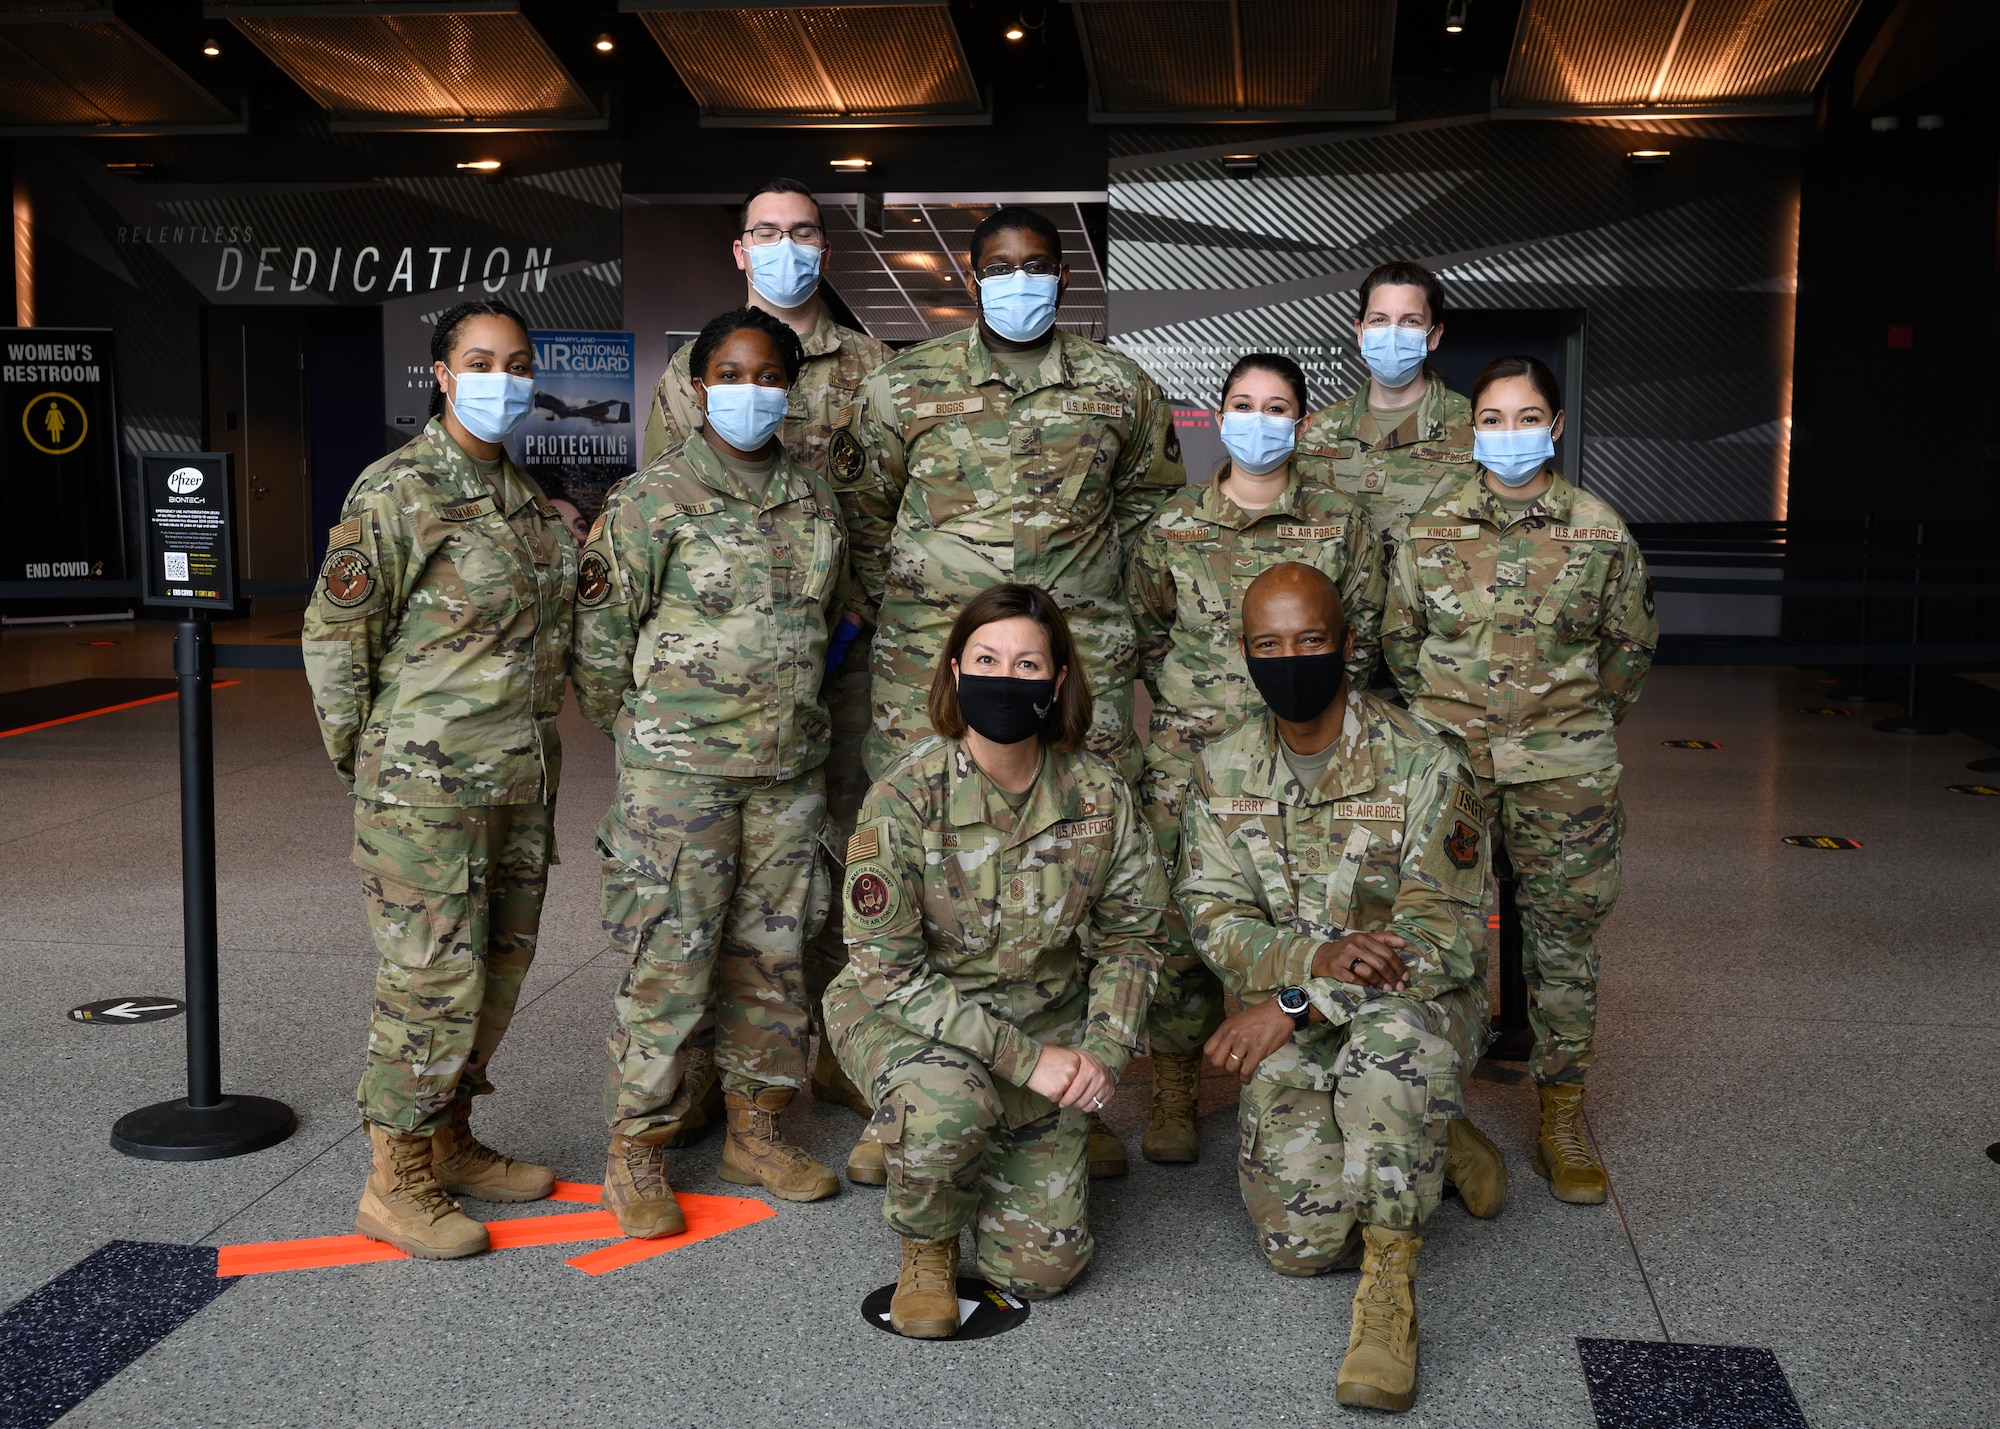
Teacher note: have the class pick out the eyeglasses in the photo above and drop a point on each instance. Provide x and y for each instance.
(1408, 320)
(806, 235)
(1040, 267)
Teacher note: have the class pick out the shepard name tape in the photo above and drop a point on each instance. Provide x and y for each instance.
(983, 1311)
(1820, 841)
(124, 1011)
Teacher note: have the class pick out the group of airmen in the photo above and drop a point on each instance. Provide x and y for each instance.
(865, 629)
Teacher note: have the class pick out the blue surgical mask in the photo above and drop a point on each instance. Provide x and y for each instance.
(746, 415)
(1257, 441)
(1514, 456)
(492, 404)
(1394, 354)
(784, 272)
(1022, 305)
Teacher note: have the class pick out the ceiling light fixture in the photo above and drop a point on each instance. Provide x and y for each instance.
(1241, 164)
(1648, 156)
(484, 166)
(605, 44)
(1454, 16)
(852, 166)
(210, 48)
(1017, 31)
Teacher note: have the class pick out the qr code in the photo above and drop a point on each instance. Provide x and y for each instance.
(177, 565)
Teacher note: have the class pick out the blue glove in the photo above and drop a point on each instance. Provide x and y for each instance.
(842, 637)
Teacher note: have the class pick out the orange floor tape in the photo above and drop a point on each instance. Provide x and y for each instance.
(706, 1216)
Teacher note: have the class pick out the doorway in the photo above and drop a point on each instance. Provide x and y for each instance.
(294, 395)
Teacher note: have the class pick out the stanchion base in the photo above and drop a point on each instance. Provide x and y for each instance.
(1515, 1046)
(175, 1131)
(1911, 724)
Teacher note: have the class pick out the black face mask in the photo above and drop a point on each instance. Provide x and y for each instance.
(1298, 688)
(1006, 710)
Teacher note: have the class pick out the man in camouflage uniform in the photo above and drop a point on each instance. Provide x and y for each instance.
(1394, 446)
(1526, 627)
(1187, 580)
(436, 645)
(822, 401)
(967, 923)
(1345, 913)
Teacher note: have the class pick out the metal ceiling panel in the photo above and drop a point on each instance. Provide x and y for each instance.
(1219, 61)
(470, 67)
(77, 69)
(1669, 56)
(819, 65)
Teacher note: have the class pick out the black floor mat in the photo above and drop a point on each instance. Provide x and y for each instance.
(24, 709)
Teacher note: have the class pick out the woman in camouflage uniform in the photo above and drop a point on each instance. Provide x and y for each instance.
(436, 644)
(1521, 617)
(1187, 579)
(1003, 902)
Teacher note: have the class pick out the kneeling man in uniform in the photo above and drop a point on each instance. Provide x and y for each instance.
(1333, 863)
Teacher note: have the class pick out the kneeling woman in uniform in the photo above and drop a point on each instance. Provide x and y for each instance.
(702, 601)
(1521, 618)
(1004, 904)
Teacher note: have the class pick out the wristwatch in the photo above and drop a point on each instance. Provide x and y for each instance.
(1294, 1003)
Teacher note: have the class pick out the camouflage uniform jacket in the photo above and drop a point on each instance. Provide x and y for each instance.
(962, 476)
(1393, 839)
(822, 399)
(1187, 581)
(1393, 475)
(993, 931)
(437, 639)
(702, 614)
(1528, 634)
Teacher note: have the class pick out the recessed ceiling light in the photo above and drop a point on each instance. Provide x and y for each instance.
(1648, 156)
(1241, 163)
(1015, 32)
(852, 166)
(1454, 16)
(484, 166)
(605, 44)
(210, 48)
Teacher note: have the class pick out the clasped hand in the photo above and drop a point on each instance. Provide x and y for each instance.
(1070, 1078)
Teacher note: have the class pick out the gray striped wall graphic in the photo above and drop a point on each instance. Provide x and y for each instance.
(1685, 274)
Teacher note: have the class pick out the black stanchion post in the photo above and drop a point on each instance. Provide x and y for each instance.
(204, 1125)
(1910, 722)
(1513, 1039)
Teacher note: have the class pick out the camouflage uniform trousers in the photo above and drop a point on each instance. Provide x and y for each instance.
(709, 886)
(1314, 1164)
(454, 900)
(965, 1148)
(1187, 1008)
(1562, 838)
(847, 785)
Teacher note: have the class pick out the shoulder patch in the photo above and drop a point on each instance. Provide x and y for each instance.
(1464, 801)
(865, 844)
(844, 458)
(596, 529)
(1332, 532)
(347, 533)
(348, 578)
(1240, 804)
(1092, 407)
(872, 898)
(949, 407)
(1587, 533)
(1461, 845)
(468, 510)
(593, 580)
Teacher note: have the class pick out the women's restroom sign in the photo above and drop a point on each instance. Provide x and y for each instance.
(59, 456)
(189, 531)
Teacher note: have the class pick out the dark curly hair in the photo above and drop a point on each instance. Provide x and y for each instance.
(444, 337)
(791, 351)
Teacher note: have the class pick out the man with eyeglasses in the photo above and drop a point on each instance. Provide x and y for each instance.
(782, 250)
(1405, 437)
(1010, 451)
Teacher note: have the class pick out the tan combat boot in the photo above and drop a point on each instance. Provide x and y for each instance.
(925, 1306)
(703, 1081)
(757, 1155)
(866, 1164)
(1108, 1157)
(830, 1083)
(1170, 1132)
(1474, 1165)
(636, 1190)
(1380, 1371)
(465, 1166)
(404, 1205)
(1561, 1153)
